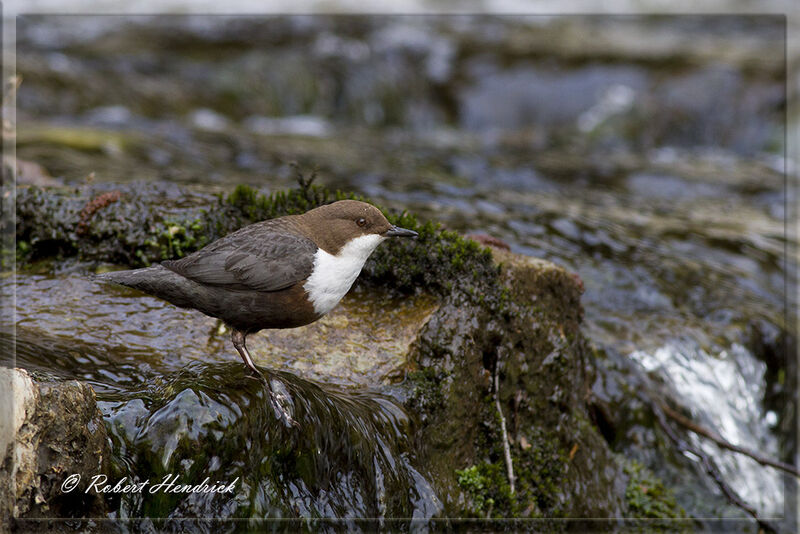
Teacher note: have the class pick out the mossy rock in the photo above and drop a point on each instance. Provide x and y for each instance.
(52, 430)
(486, 312)
(562, 466)
(137, 226)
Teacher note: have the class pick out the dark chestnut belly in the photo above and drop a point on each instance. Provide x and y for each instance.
(252, 311)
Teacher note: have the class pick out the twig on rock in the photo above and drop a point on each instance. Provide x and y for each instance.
(503, 431)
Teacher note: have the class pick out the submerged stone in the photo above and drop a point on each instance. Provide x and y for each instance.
(351, 455)
(364, 341)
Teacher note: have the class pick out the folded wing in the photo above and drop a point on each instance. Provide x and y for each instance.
(252, 259)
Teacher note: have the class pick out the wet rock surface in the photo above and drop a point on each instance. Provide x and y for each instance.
(644, 154)
(214, 421)
(563, 467)
(364, 341)
(392, 448)
(51, 430)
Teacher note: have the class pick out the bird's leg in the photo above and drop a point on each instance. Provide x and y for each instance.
(279, 400)
(239, 339)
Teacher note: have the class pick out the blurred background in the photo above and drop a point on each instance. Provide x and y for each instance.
(644, 153)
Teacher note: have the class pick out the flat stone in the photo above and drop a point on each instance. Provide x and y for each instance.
(364, 341)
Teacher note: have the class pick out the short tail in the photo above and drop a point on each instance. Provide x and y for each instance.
(157, 280)
(136, 278)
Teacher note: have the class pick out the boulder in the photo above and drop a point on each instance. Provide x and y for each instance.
(50, 430)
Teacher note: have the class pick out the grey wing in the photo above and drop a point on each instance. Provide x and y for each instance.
(264, 262)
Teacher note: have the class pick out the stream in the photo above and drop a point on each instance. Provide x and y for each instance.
(650, 167)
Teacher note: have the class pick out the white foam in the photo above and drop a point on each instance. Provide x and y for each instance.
(724, 391)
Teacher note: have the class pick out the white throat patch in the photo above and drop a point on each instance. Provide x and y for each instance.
(333, 276)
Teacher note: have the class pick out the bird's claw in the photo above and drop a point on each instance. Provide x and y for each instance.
(282, 415)
(279, 398)
(282, 403)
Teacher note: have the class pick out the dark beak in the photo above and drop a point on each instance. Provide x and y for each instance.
(394, 231)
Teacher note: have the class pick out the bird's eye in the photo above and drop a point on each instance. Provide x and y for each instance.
(362, 222)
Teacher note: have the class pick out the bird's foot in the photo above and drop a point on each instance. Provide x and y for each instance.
(282, 403)
(279, 398)
(256, 375)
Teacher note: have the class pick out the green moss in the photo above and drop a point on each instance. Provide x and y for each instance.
(426, 395)
(486, 488)
(136, 231)
(257, 207)
(432, 262)
(540, 470)
(541, 474)
(438, 261)
(476, 485)
(175, 239)
(23, 251)
(646, 495)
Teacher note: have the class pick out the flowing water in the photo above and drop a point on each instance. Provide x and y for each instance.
(655, 175)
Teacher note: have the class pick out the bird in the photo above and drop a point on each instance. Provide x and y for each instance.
(278, 273)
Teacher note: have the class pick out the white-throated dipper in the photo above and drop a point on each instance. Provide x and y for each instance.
(279, 273)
